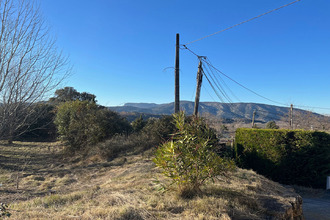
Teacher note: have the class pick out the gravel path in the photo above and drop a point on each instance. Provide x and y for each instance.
(317, 208)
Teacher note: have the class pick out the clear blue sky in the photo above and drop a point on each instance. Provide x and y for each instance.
(121, 50)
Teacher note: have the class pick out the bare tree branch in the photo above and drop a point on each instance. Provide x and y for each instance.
(31, 66)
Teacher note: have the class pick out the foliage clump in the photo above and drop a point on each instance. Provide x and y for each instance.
(83, 123)
(160, 130)
(138, 124)
(272, 125)
(68, 94)
(139, 140)
(188, 158)
(288, 156)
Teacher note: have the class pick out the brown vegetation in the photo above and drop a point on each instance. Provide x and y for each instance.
(50, 187)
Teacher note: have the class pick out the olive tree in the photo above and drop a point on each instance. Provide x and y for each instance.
(31, 66)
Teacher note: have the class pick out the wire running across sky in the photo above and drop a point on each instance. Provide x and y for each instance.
(214, 81)
(243, 22)
(241, 85)
(210, 66)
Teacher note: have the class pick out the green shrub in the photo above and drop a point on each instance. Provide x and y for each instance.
(160, 130)
(76, 123)
(288, 156)
(112, 123)
(68, 94)
(188, 159)
(272, 125)
(155, 132)
(138, 124)
(123, 144)
(83, 123)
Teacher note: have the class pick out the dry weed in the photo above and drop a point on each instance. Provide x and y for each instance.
(124, 189)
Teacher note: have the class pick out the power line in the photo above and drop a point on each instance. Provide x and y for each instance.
(303, 106)
(222, 81)
(217, 84)
(215, 91)
(244, 22)
(204, 87)
(208, 62)
(250, 90)
(209, 78)
(185, 47)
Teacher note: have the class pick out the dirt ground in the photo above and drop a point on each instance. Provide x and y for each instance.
(31, 170)
(317, 208)
(25, 169)
(316, 203)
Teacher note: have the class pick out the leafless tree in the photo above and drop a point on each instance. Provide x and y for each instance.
(31, 66)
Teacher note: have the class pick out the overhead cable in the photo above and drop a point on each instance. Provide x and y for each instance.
(217, 85)
(310, 107)
(250, 90)
(218, 76)
(208, 62)
(244, 22)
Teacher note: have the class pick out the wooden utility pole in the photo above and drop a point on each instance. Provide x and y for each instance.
(177, 78)
(198, 89)
(253, 117)
(291, 116)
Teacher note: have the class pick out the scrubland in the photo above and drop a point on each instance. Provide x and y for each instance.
(39, 182)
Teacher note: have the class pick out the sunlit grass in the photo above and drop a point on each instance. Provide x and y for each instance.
(125, 188)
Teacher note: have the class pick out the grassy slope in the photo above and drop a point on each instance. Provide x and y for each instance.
(125, 188)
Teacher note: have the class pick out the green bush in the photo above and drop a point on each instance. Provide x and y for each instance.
(160, 130)
(68, 94)
(112, 123)
(272, 125)
(83, 123)
(118, 145)
(138, 124)
(188, 159)
(155, 132)
(288, 156)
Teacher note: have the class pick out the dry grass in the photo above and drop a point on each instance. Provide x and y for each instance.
(125, 188)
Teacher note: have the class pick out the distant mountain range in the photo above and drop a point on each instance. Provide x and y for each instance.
(224, 111)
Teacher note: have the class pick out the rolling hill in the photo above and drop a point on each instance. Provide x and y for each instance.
(225, 111)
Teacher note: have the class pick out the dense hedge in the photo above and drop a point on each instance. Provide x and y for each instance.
(287, 156)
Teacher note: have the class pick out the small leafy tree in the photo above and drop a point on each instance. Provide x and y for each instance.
(161, 129)
(112, 123)
(188, 159)
(68, 94)
(83, 123)
(271, 125)
(76, 124)
(138, 124)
